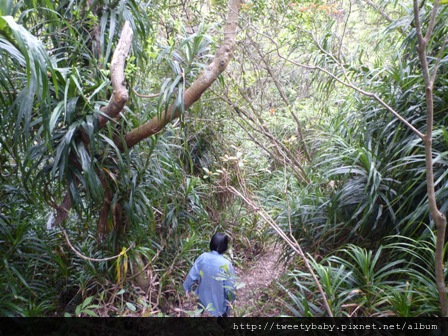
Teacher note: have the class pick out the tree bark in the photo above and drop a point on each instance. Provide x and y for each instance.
(103, 221)
(120, 94)
(197, 88)
(63, 210)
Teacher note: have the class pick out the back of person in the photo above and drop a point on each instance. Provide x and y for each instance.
(216, 280)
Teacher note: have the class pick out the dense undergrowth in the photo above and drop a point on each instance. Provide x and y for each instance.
(370, 193)
(352, 191)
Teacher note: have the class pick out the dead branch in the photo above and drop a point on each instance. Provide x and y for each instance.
(379, 10)
(282, 95)
(345, 83)
(256, 123)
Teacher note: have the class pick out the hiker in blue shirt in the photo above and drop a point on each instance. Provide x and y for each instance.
(215, 277)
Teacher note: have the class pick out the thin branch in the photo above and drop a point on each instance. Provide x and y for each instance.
(349, 85)
(282, 95)
(153, 95)
(382, 13)
(279, 145)
(79, 254)
(283, 158)
(438, 217)
(325, 52)
(432, 21)
(438, 60)
(291, 159)
(292, 243)
(341, 41)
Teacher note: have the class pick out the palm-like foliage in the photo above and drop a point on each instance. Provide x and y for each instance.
(50, 98)
(376, 164)
(377, 168)
(366, 191)
(393, 281)
(28, 265)
(54, 80)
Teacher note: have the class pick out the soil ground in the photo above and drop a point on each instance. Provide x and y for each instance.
(257, 296)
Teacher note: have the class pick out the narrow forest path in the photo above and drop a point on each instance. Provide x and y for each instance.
(257, 293)
(257, 296)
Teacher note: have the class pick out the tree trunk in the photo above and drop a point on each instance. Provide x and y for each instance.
(120, 96)
(103, 221)
(438, 218)
(197, 88)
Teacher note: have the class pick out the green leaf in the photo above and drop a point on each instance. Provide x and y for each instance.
(131, 306)
(5, 7)
(87, 301)
(55, 116)
(90, 313)
(38, 68)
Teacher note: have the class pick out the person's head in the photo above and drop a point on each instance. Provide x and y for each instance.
(219, 243)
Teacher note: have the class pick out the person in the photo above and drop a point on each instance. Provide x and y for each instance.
(215, 277)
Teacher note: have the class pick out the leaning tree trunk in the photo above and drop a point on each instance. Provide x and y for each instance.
(197, 88)
(120, 97)
(191, 95)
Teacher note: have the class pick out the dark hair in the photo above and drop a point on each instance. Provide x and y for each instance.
(219, 243)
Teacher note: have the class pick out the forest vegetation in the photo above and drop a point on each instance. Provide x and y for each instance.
(132, 130)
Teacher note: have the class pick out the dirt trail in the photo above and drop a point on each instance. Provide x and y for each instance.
(255, 298)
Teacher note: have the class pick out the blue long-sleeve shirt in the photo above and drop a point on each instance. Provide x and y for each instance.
(216, 282)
